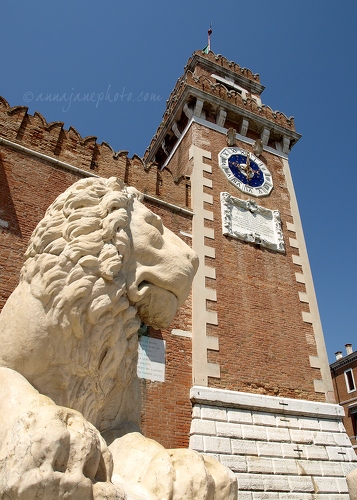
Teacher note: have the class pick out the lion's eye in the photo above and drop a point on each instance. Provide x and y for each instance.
(154, 220)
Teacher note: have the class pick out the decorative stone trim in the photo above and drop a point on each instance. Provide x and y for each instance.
(277, 447)
(201, 317)
(198, 108)
(297, 259)
(303, 297)
(300, 278)
(290, 227)
(181, 333)
(286, 144)
(213, 126)
(293, 243)
(220, 399)
(175, 130)
(307, 317)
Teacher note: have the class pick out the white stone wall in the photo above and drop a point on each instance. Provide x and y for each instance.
(279, 448)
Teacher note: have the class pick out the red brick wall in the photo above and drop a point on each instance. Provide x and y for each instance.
(28, 187)
(264, 345)
(345, 398)
(166, 410)
(263, 340)
(68, 146)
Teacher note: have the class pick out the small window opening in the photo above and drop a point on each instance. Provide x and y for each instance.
(353, 419)
(350, 382)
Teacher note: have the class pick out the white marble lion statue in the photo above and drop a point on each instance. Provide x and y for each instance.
(97, 265)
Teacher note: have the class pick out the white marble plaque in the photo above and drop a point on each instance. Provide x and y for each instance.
(151, 359)
(250, 222)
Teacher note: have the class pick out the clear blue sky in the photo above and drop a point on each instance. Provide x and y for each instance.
(304, 51)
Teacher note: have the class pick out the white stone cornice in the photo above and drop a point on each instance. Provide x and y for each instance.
(222, 130)
(259, 402)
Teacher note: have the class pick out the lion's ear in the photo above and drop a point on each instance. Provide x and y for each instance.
(115, 184)
(134, 193)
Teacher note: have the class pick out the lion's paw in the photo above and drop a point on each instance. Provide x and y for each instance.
(171, 474)
(52, 453)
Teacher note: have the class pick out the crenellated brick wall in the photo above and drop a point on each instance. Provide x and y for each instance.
(68, 146)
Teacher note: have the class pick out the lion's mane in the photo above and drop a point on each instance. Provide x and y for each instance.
(75, 265)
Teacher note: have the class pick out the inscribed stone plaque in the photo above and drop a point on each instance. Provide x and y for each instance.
(151, 359)
(250, 222)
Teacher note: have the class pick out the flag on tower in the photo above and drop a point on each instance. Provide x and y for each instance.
(207, 49)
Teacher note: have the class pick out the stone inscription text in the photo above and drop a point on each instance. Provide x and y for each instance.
(245, 221)
(151, 359)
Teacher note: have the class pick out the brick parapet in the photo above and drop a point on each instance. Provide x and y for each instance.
(207, 84)
(67, 146)
(224, 63)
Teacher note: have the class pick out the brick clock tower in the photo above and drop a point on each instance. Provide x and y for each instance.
(261, 390)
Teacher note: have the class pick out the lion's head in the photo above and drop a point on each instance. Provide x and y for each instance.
(97, 264)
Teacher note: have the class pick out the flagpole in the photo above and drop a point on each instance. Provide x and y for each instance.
(209, 38)
(207, 49)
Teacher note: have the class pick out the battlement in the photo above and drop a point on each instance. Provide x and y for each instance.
(224, 63)
(69, 147)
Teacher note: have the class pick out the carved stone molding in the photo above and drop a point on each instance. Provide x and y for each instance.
(247, 221)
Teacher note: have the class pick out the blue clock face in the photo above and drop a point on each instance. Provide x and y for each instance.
(245, 171)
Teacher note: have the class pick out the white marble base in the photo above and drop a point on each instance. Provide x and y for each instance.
(279, 448)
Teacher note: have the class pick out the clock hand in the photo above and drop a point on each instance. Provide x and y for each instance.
(249, 172)
(245, 168)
